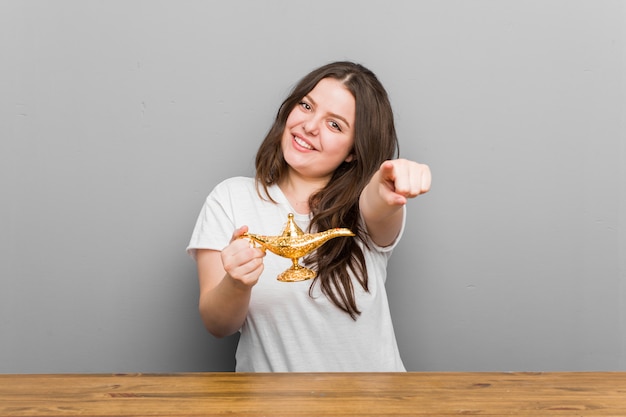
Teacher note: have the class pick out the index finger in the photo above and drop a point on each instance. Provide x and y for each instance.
(387, 170)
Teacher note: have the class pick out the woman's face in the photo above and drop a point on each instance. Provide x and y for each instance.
(319, 132)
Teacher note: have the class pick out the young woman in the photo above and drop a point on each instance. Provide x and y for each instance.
(328, 159)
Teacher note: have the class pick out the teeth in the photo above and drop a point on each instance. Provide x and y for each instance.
(302, 143)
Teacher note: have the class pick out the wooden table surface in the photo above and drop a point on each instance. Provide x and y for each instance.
(321, 394)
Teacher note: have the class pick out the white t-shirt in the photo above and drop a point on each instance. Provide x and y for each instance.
(286, 329)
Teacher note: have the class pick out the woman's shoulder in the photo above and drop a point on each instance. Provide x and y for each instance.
(234, 185)
(236, 182)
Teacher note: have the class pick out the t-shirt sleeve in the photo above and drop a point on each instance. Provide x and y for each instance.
(214, 226)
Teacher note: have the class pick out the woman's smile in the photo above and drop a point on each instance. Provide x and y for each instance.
(303, 143)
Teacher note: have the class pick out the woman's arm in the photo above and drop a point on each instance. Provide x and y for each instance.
(226, 279)
(387, 192)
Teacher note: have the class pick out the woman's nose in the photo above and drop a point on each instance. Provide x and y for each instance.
(311, 125)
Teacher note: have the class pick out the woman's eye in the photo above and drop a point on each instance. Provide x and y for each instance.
(305, 105)
(335, 125)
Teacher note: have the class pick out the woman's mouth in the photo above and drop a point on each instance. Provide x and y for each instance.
(302, 143)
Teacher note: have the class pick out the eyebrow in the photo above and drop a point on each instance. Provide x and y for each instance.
(335, 115)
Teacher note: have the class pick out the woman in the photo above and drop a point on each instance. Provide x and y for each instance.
(328, 159)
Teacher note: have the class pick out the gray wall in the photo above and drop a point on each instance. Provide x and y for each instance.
(117, 118)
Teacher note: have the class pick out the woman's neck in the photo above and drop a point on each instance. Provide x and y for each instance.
(298, 190)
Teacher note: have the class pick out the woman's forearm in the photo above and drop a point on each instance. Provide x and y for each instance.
(224, 308)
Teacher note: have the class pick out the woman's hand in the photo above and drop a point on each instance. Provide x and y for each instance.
(243, 262)
(401, 179)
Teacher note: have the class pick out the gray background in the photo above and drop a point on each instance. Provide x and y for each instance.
(118, 117)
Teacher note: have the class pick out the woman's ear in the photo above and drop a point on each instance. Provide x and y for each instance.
(350, 158)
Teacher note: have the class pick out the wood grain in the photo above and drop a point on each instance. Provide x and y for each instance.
(300, 394)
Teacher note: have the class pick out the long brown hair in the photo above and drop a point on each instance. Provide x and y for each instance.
(337, 204)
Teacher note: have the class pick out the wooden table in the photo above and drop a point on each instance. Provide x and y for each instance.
(297, 394)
